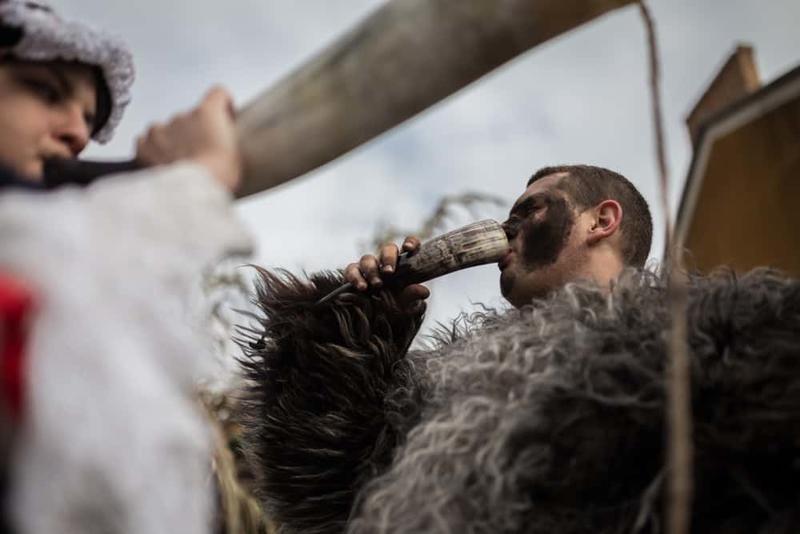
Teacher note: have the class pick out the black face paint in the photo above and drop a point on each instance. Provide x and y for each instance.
(545, 239)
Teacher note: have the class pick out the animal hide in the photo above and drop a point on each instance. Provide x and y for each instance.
(547, 419)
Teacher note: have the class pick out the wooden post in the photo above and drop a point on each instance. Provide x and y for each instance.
(402, 59)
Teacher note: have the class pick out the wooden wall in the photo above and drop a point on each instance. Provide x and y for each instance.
(748, 209)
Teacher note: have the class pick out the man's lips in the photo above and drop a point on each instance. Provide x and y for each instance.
(506, 260)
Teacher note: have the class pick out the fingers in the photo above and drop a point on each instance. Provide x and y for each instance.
(352, 273)
(218, 98)
(389, 254)
(216, 108)
(205, 135)
(415, 292)
(411, 244)
(364, 273)
(367, 272)
(369, 268)
(412, 298)
(154, 147)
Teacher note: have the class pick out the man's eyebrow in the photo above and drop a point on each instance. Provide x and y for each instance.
(520, 206)
(527, 204)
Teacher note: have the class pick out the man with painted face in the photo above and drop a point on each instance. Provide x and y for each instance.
(337, 394)
(340, 407)
(547, 417)
(573, 222)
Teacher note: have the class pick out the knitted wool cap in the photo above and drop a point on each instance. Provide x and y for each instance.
(34, 32)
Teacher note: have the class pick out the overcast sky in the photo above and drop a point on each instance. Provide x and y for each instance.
(582, 98)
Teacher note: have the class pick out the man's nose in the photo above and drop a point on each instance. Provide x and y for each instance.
(72, 128)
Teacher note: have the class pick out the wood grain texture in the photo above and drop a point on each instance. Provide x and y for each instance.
(402, 59)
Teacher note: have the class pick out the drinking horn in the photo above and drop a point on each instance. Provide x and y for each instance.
(478, 243)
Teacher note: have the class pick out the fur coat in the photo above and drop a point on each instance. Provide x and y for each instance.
(547, 419)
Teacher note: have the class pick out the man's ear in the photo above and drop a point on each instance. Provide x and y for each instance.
(607, 218)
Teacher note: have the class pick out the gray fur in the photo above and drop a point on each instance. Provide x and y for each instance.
(547, 419)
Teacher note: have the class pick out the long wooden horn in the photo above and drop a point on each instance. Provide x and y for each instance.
(403, 58)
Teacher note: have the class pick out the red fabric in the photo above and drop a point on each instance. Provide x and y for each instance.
(16, 307)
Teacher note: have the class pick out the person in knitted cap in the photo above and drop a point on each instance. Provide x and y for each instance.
(61, 83)
(106, 436)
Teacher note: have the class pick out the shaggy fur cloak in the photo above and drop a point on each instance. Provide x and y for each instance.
(548, 419)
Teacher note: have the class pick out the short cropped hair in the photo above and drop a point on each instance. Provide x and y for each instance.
(587, 186)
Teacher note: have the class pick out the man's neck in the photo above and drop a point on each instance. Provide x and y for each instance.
(604, 266)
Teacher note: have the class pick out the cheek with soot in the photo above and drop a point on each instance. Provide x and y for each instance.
(545, 239)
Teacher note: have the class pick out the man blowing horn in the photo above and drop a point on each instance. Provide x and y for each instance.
(548, 417)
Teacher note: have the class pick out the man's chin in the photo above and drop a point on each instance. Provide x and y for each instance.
(507, 283)
(521, 289)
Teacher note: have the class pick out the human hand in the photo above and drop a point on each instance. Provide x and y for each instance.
(206, 135)
(369, 271)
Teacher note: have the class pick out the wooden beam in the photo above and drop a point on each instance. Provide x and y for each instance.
(402, 59)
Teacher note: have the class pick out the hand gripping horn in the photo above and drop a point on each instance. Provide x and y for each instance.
(478, 243)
